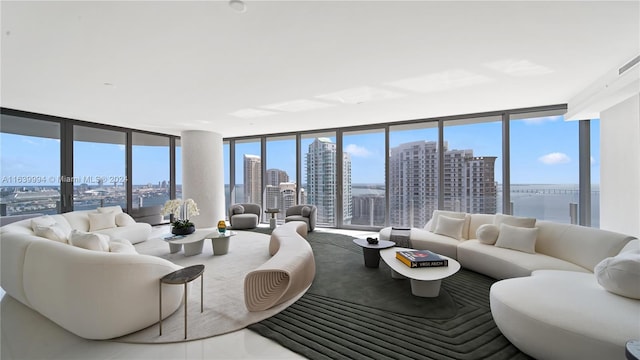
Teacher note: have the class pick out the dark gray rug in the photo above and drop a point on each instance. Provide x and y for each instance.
(354, 312)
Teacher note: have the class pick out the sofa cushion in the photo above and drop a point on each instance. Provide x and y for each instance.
(45, 220)
(422, 239)
(123, 246)
(488, 234)
(305, 211)
(237, 209)
(89, 241)
(52, 232)
(514, 221)
(620, 274)
(450, 227)
(124, 219)
(517, 238)
(99, 221)
(114, 209)
(451, 214)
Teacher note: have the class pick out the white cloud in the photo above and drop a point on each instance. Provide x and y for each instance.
(541, 120)
(357, 151)
(554, 158)
(593, 161)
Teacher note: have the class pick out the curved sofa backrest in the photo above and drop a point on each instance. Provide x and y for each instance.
(581, 245)
(79, 220)
(475, 222)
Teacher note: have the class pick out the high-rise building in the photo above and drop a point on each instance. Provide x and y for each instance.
(252, 179)
(469, 182)
(321, 181)
(276, 176)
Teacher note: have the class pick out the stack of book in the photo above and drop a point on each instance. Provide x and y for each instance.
(421, 258)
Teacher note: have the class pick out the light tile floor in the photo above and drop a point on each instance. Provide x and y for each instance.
(20, 341)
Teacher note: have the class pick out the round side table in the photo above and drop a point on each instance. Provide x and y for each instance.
(371, 252)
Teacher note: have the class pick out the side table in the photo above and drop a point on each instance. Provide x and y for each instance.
(272, 221)
(372, 251)
(184, 276)
(220, 242)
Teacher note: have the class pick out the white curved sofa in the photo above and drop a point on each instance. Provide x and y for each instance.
(289, 271)
(551, 305)
(93, 294)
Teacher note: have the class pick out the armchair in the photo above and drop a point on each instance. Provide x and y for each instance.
(306, 213)
(244, 216)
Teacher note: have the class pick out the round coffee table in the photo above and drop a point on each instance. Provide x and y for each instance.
(425, 281)
(371, 252)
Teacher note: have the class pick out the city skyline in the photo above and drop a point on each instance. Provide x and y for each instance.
(543, 151)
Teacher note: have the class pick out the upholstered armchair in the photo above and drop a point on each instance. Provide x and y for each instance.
(306, 213)
(244, 216)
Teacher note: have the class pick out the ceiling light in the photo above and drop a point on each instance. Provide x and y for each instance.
(518, 67)
(238, 5)
(445, 80)
(251, 113)
(360, 95)
(297, 105)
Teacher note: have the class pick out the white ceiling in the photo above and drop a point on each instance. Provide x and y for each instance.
(171, 66)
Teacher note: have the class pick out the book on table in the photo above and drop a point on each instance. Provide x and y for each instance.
(421, 258)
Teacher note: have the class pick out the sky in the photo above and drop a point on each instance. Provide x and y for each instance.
(543, 151)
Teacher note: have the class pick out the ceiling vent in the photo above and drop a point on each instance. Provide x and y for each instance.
(629, 65)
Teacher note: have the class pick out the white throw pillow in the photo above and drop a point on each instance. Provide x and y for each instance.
(450, 227)
(122, 246)
(517, 238)
(99, 221)
(487, 234)
(514, 221)
(124, 219)
(620, 274)
(89, 241)
(438, 213)
(44, 220)
(114, 209)
(52, 232)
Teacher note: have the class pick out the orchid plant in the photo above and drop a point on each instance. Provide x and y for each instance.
(181, 211)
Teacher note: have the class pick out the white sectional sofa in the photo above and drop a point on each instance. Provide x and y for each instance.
(552, 304)
(91, 291)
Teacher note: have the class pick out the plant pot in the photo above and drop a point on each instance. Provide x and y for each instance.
(183, 231)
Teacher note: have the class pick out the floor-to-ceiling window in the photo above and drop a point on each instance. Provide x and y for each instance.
(53, 164)
(248, 174)
(30, 170)
(595, 172)
(99, 159)
(544, 168)
(363, 178)
(178, 169)
(413, 173)
(319, 175)
(150, 169)
(280, 190)
(472, 165)
(227, 181)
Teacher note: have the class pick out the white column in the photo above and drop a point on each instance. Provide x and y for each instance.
(203, 175)
(620, 167)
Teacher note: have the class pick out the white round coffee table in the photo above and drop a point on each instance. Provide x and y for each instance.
(425, 282)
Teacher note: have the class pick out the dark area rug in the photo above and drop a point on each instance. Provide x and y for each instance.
(354, 312)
